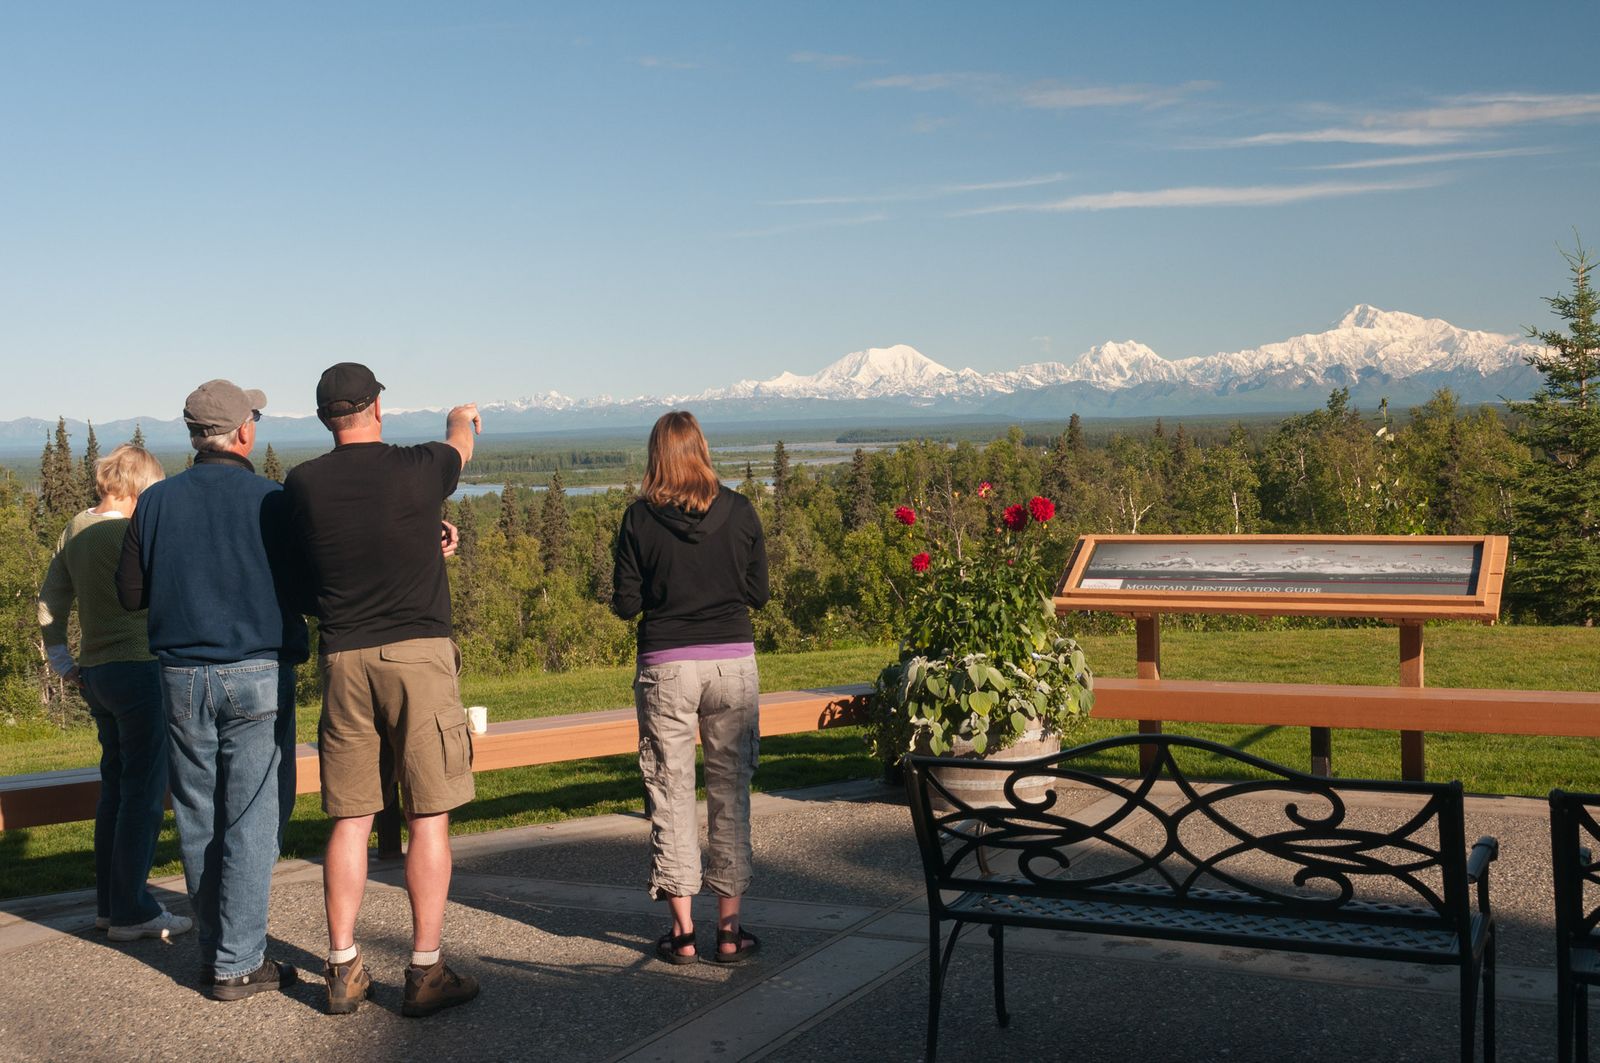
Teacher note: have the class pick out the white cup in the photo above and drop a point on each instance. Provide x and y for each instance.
(478, 717)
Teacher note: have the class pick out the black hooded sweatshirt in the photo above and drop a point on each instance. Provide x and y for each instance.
(695, 576)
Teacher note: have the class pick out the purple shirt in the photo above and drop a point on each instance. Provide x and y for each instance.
(716, 651)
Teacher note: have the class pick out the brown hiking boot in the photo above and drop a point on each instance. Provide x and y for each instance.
(348, 985)
(430, 989)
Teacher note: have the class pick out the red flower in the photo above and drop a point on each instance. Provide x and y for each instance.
(920, 563)
(984, 489)
(1041, 508)
(906, 515)
(1015, 516)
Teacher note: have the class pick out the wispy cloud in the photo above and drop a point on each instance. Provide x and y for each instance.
(1399, 138)
(1051, 96)
(927, 192)
(662, 63)
(1454, 120)
(1041, 95)
(931, 123)
(819, 223)
(1486, 111)
(1204, 196)
(831, 62)
(1431, 158)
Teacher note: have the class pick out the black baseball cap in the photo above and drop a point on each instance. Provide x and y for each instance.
(346, 388)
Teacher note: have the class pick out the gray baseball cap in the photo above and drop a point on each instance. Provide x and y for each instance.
(219, 406)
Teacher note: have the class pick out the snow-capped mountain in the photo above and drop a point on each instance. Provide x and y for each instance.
(1377, 354)
(1366, 341)
(877, 372)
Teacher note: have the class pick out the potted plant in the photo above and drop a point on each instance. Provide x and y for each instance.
(984, 667)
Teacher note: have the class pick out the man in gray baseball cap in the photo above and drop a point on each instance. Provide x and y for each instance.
(219, 406)
(208, 552)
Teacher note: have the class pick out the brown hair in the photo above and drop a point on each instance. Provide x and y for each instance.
(126, 472)
(678, 471)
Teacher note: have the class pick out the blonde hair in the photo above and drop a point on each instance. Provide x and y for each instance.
(126, 472)
(678, 470)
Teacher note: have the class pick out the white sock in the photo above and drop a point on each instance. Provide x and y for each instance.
(424, 959)
(338, 956)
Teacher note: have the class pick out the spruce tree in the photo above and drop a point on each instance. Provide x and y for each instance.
(138, 435)
(466, 523)
(89, 494)
(751, 487)
(1075, 440)
(59, 490)
(863, 505)
(781, 482)
(553, 531)
(508, 523)
(602, 566)
(271, 467)
(1060, 466)
(1556, 544)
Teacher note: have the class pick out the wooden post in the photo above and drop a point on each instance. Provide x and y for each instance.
(1147, 641)
(1411, 675)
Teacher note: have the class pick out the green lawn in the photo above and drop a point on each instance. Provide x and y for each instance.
(54, 858)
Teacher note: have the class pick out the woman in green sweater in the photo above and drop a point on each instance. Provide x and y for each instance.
(122, 684)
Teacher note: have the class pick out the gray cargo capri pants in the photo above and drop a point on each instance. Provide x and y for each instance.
(720, 700)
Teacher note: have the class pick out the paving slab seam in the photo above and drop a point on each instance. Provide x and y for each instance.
(840, 1005)
(640, 1050)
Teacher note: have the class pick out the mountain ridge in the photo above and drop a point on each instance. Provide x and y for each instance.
(1375, 353)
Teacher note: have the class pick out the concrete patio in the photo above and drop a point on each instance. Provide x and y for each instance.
(555, 922)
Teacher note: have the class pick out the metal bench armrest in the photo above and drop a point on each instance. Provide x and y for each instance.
(1486, 850)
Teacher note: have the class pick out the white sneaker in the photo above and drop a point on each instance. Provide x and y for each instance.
(165, 925)
(102, 922)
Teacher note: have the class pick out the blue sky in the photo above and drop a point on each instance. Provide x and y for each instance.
(484, 200)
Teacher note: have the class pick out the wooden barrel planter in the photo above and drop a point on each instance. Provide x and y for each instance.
(984, 789)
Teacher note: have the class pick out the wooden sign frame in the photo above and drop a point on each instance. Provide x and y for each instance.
(1409, 611)
(1481, 604)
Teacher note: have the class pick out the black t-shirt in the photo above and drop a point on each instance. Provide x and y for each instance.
(367, 519)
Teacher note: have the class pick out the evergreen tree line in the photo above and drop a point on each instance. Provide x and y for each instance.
(531, 583)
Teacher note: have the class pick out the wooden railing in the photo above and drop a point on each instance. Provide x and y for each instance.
(66, 796)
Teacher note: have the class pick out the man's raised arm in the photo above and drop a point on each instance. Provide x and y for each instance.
(460, 425)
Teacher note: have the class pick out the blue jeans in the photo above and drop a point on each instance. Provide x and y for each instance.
(125, 700)
(232, 731)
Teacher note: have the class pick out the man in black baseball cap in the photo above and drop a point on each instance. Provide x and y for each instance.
(346, 388)
(366, 515)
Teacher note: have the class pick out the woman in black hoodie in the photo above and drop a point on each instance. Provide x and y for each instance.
(691, 557)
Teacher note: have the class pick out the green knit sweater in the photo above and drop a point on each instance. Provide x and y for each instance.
(84, 568)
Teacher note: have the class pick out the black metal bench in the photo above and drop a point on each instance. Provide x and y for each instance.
(1574, 836)
(1283, 861)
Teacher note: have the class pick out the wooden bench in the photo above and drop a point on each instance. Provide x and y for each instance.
(1283, 861)
(1574, 838)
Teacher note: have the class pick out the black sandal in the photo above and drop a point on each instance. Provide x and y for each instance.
(668, 944)
(744, 942)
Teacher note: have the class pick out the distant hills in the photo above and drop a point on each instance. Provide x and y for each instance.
(1375, 353)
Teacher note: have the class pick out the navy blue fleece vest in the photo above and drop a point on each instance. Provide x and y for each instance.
(215, 548)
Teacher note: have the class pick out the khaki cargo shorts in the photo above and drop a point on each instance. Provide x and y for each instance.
(393, 713)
